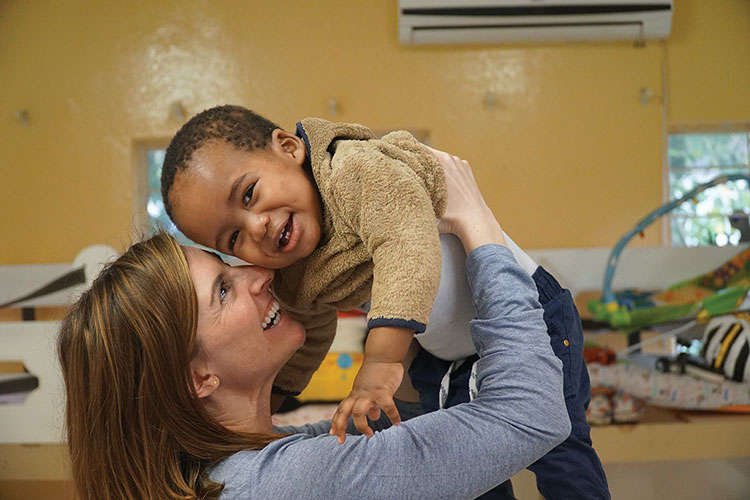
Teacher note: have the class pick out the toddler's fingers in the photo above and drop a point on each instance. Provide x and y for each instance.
(374, 413)
(389, 407)
(359, 413)
(340, 418)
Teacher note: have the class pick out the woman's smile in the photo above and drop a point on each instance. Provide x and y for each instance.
(272, 316)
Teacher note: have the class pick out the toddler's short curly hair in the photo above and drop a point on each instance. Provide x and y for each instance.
(236, 125)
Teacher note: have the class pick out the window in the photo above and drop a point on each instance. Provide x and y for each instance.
(718, 215)
(157, 215)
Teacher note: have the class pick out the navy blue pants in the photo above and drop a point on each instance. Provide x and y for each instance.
(572, 470)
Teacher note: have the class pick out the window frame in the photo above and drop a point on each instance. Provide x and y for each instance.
(141, 218)
(740, 127)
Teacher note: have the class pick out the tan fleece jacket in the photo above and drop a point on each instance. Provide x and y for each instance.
(381, 199)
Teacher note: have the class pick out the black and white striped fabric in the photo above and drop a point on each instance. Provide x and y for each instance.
(726, 346)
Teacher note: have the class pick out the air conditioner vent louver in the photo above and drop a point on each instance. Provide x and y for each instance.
(488, 21)
(537, 10)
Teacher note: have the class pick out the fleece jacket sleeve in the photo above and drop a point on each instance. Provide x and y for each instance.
(387, 205)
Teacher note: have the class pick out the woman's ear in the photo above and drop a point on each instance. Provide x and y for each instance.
(205, 383)
(289, 144)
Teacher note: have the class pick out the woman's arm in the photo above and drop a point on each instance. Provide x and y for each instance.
(518, 415)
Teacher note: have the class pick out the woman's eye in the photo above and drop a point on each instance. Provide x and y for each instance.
(233, 240)
(223, 290)
(248, 195)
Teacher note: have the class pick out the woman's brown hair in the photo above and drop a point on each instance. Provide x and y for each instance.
(135, 426)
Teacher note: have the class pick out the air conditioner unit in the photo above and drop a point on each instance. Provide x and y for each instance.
(497, 21)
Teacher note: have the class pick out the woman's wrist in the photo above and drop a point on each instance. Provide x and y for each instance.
(479, 232)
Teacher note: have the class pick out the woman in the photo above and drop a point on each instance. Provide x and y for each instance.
(170, 357)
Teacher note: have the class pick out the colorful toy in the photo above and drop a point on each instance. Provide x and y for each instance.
(726, 346)
(718, 292)
(334, 378)
(599, 411)
(625, 408)
(611, 406)
(598, 354)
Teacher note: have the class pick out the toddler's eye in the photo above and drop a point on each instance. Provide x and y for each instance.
(248, 196)
(233, 240)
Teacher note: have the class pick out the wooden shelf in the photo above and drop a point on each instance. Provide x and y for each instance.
(666, 435)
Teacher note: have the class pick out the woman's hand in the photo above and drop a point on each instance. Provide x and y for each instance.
(466, 213)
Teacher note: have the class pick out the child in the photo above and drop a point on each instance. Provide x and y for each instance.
(345, 218)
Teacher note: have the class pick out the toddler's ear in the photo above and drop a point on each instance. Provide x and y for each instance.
(289, 144)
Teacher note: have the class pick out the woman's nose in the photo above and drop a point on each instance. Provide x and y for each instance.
(260, 279)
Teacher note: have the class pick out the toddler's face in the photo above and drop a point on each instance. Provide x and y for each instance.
(260, 206)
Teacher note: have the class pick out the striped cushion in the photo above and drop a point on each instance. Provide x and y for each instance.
(726, 346)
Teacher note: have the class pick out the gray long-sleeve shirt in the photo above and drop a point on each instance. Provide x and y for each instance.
(461, 452)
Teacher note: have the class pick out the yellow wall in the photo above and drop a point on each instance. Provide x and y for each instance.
(709, 63)
(568, 157)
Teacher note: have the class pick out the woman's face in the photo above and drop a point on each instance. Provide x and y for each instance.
(244, 339)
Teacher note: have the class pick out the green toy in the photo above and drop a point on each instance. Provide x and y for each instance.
(718, 292)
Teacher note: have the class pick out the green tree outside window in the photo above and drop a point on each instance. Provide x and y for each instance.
(719, 215)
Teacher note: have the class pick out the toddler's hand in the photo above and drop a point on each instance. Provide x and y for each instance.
(373, 390)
